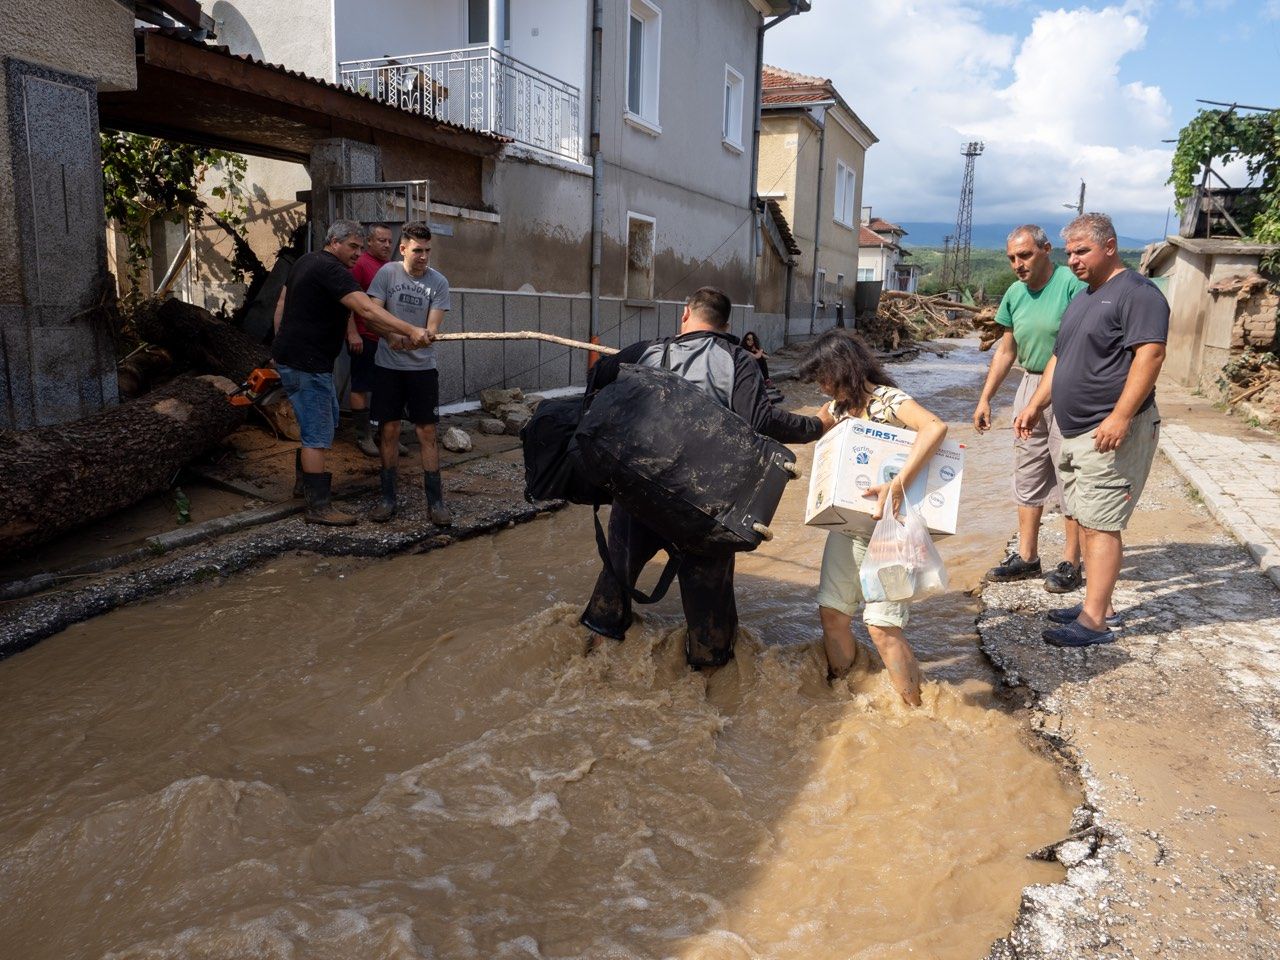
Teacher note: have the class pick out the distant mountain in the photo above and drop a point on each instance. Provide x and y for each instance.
(992, 236)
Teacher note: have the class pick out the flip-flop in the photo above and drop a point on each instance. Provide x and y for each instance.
(1076, 634)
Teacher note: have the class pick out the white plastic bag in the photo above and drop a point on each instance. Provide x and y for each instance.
(901, 563)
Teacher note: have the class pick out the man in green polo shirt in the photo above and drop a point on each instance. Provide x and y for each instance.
(1031, 310)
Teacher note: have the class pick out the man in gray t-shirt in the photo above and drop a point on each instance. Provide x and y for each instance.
(1102, 382)
(405, 381)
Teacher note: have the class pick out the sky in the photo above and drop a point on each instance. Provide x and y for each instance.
(1057, 92)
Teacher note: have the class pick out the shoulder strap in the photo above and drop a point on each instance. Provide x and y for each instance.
(664, 579)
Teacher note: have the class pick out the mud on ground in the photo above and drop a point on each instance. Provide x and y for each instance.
(1176, 731)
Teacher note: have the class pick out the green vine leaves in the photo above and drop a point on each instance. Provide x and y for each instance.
(146, 179)
(1217, 136)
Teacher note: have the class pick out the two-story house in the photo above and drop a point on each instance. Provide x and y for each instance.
(615, 198)
(812, 153)
(883, 258)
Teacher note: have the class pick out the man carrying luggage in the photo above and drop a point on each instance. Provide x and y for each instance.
(708, 356)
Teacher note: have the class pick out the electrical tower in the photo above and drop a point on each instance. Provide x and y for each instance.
(958, 273)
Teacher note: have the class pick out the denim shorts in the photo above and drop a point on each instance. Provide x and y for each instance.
(315, 404)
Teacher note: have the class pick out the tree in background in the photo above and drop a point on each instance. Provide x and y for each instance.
(1219, 136)
(145, 180)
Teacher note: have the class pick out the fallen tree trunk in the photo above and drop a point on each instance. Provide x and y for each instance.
(199, 341)
(57, 478)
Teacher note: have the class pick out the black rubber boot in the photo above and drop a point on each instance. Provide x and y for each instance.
(386, 508)
(434, 488)
(297, 474)
(364, 433)
(320, 509)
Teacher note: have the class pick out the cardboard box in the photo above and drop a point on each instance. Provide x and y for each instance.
(858, 454)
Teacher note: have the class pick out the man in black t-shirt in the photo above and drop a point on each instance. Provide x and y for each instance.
(1101, 380)
(311, 326)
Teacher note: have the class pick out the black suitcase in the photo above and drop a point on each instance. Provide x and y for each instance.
(689, 468)
(552, 468)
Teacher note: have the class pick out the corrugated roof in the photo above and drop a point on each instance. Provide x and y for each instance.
(222, 50)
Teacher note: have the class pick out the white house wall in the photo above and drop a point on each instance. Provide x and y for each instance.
(555, 37)
(366, 29)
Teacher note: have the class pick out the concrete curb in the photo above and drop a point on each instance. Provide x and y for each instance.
(1225, 510)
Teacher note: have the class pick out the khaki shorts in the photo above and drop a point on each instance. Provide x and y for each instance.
(1035, 474)
(840, 589)
(1103, 488)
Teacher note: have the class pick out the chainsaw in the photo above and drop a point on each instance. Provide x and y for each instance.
(262, 387)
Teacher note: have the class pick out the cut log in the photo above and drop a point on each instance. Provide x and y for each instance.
(202, 343)
(57, 478)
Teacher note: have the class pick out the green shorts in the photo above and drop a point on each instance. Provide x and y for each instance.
(1101, 489)
(840, 589)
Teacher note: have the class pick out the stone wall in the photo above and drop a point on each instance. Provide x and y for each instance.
(57, 358)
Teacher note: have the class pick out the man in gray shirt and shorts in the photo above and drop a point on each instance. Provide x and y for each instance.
(1101, 381)
(405, 381)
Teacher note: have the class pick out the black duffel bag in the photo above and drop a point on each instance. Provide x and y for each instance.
(552, 468)
(690, 469)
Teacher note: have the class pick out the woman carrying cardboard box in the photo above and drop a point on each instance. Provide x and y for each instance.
(844, 368)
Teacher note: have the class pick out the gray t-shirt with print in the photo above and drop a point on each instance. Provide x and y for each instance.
(410, 299)
(1095, 345)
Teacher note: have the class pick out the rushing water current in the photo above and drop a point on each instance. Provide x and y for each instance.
(414, 758)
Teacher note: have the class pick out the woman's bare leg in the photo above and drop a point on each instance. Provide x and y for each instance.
(904, 670)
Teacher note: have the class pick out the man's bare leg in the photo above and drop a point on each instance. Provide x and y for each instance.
(1103, 552)
(1029, 532)
(1071, 553)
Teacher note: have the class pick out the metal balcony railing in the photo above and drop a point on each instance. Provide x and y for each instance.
(480, 88)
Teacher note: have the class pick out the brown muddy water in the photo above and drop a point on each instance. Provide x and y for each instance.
(414, 758)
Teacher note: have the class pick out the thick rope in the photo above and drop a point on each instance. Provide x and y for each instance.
(530, 335)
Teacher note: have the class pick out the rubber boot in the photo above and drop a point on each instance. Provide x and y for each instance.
(364, 433)
(297, 474)
(434, 488)
(320, 508)
(386, 508)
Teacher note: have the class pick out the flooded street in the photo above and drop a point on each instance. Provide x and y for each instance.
(414, 758)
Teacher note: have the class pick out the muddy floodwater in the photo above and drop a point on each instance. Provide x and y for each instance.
(414, 758)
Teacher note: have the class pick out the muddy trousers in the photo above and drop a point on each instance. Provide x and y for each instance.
(706, 590)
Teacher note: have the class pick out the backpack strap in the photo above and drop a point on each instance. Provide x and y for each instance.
(664, 579)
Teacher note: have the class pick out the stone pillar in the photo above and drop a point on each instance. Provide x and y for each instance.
(336, 162)
(57, 355)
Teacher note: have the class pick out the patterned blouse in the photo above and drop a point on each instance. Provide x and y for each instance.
(882, 408)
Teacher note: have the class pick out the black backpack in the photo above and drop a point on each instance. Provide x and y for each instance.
(552, 468)
(689, 468)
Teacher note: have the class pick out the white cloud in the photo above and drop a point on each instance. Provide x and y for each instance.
(927, 75)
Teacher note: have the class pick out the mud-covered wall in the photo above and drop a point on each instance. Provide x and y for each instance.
(675, 167)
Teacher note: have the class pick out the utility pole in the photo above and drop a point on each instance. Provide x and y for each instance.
(959, 273)
(946, 261)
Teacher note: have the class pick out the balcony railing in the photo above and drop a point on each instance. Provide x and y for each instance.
(480, 88)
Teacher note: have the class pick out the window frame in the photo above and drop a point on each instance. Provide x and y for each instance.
(846, 194)
(731, 133)
(650, 17)
(628, 296)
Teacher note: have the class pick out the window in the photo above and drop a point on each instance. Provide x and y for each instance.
(866, 273)
(478, 21)
(732, 131)
(640, 236)
(846, 194)
(643, 45)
